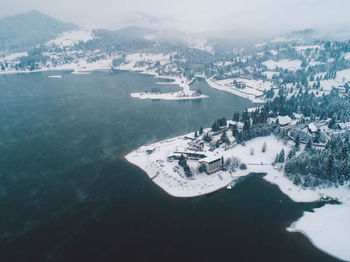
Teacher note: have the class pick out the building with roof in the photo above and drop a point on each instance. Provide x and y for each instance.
(212, 163)
(312, 128)
(231, 124)
(284, 120)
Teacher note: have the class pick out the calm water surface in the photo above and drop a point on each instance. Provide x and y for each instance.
(67, 194)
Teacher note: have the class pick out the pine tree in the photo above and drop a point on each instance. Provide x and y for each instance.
(308, 146)
(331, 123)
(234, 130)
(235, 116)
(182, 161)
(329, 165)
(344, 170)
(207, 138)
(297, 142)
(297, 180)
(195, 134)
(281, 156)
(224, 138)
(344, 152)
(201, 130)
(291, 153)
(215, 127)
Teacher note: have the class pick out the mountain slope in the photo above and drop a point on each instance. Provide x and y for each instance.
(22, 31)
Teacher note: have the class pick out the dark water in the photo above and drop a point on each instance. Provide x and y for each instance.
(66, 193)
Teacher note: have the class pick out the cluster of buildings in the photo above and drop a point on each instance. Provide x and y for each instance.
(208, 159)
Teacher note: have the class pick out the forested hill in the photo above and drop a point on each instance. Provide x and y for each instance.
(22, 31)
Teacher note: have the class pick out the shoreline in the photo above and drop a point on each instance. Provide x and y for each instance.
(82, 67)
(313, 225)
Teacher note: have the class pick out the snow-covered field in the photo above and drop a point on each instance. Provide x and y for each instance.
(291, 65)
(71, 38)
(200, 44)
(302, 48)
(253, 90)
(341, 78)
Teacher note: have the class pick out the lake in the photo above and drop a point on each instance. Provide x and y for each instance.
(67, 194)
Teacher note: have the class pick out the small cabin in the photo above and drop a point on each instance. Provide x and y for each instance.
(212, 164)
(150, 150)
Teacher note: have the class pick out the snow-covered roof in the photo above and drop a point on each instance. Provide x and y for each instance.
(230, 122)
(284, 120)
(298, 116)
(238, 124)
(312, 127)
(210, 158)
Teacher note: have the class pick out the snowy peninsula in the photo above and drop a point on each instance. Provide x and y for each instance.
(210, 159)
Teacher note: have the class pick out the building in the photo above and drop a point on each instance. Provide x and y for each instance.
(212, 164)
(231, 124)
(284, 120)
(193, 155)
(312, 128)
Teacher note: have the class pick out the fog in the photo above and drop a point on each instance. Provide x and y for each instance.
(220, 17)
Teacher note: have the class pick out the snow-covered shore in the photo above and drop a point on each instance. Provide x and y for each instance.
(80, 66)
(185, 94)
(253, 90)
(327, 227)
(164, 175)
(166, 96)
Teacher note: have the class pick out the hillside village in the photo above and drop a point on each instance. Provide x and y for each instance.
(255, 72)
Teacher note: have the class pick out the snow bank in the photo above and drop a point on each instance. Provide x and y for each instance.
(328, 227)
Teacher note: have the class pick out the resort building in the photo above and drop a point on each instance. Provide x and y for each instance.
(212, 164)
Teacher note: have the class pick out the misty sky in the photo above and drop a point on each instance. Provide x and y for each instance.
(195, 16)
